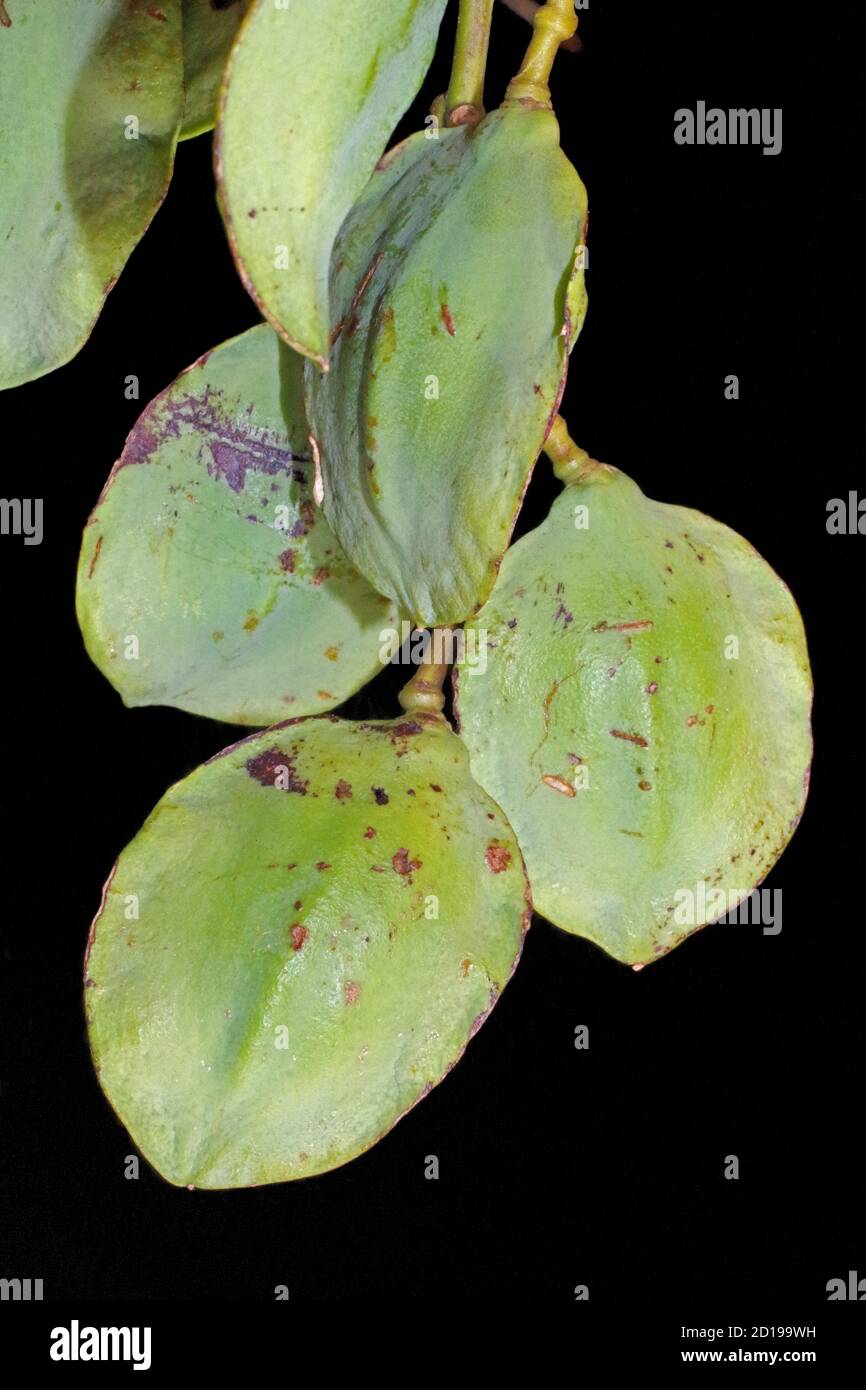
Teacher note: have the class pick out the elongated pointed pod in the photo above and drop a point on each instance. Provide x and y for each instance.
(644, 716)
(298, 945)
(209, 30)
(457, 292)
(312, 93)
(91, 97)
(208, 579)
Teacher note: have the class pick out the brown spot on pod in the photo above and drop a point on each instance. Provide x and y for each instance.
(497, 856)
(95, 557)
(630, 738)
(299, 935)
(403, 865)
(343, 790)
(642, 625)
(274, 768)
(448, 320)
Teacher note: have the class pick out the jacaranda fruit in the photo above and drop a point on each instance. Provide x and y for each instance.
(208, 578)
(644, 717)
(456, 294)
(298, 945)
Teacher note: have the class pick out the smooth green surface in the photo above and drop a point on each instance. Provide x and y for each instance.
(449, 289)
(75, 193)
(206, 548)
(311, 96)
(326, 914)
(209, 31)
(608, 660)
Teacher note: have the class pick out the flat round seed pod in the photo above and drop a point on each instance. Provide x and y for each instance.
(455, 296)
(644, 716)
(90, 103)
(298, 945)
(312, 93)
(208, 579)
(209, 29)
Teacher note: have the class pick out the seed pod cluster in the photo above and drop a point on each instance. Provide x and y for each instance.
(307, 930)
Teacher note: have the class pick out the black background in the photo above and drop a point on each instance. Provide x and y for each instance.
(558, 1167)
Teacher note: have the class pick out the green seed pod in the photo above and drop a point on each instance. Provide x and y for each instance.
(644, 716)
(298, 945)
(456, 294)
(208, 579)
(91, 97)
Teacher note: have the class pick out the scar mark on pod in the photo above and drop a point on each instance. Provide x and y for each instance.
(558, 784)
(299, 935)
(351, 991)
(448, 320)
(366, 278)
(98, 545)
(630, 738)
(641, 626)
